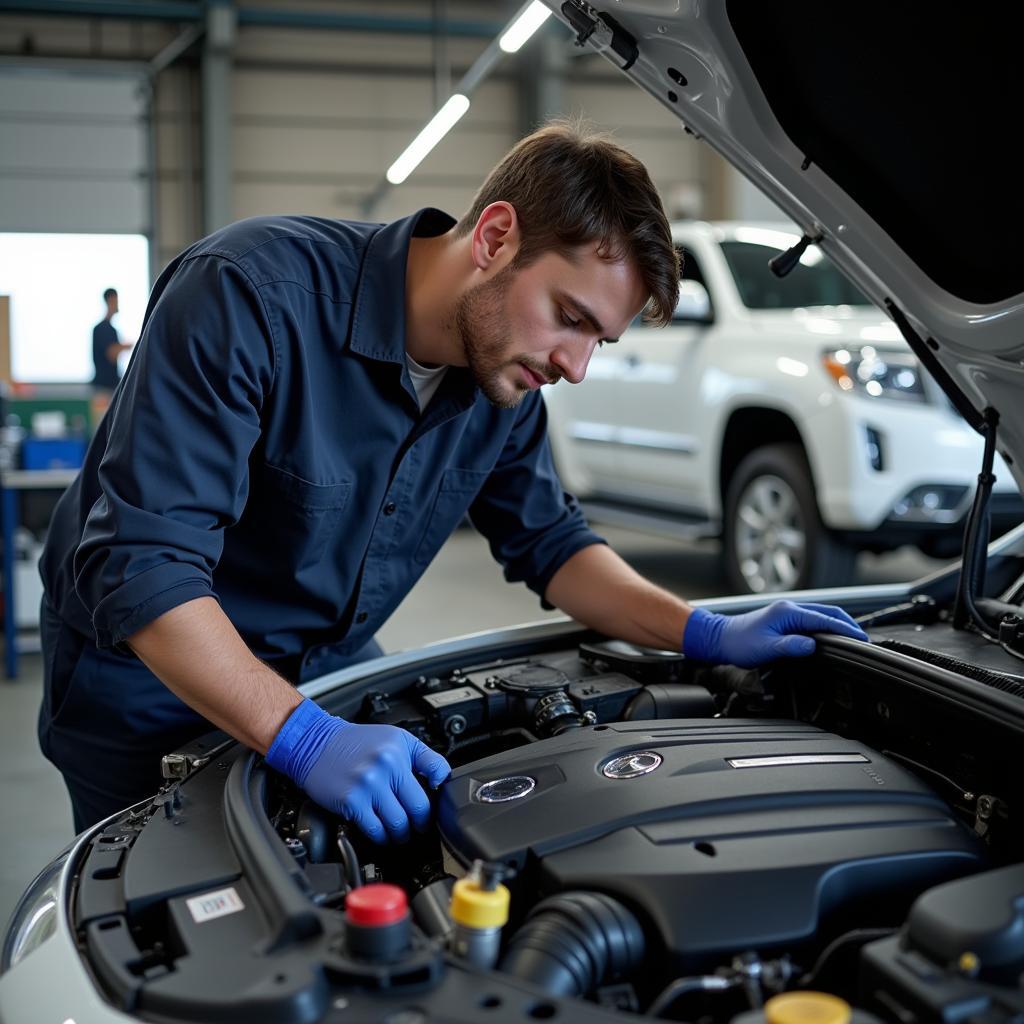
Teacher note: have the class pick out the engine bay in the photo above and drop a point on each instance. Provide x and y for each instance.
(672, 839)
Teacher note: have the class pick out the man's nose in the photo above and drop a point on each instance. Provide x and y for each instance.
(572, 360)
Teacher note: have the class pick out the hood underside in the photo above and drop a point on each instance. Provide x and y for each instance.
(887, 132)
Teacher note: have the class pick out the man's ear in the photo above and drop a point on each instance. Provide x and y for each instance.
(495, 239)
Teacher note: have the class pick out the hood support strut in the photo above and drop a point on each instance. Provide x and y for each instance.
(966, 611)
(972, 566)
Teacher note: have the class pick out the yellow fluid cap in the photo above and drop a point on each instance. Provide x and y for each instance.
(474, 907)
(968, 963)
(807, 1008)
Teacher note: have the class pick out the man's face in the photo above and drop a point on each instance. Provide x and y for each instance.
(535, 325)
(112, 304)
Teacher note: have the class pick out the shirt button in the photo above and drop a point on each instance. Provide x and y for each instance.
(361, 617)
(390, 508)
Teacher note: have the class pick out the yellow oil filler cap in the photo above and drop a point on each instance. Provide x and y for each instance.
(476, 907)
(807, 1008)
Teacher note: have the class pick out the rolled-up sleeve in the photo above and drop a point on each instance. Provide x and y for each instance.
(532, 524)
(174, 474)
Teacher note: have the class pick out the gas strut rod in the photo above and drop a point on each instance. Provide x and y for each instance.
(976, 536)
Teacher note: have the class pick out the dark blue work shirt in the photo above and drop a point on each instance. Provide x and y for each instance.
(266, 447)
(103, 336)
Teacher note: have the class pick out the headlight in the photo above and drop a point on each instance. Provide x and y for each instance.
(876, 374)
(35, 918)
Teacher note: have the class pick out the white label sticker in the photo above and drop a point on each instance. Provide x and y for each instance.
(214, 904)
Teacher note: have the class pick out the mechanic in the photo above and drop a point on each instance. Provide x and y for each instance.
(312, 407)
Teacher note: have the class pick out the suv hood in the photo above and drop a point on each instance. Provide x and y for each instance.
(886, 137)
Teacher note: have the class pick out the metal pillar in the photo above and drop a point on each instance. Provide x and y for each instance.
(147, 87)
(218, 43)
(188, 166)
(542, 71)
(442, 60)
(176, 48)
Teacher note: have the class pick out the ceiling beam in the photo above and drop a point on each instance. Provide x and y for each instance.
(190, 10)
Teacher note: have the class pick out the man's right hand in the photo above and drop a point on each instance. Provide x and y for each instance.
(364, 773)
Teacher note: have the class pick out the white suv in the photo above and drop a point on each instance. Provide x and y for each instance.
(786, 415)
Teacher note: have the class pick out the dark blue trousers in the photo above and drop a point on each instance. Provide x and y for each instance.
(106, 721)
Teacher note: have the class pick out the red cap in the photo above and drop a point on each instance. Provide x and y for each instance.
(376, 905)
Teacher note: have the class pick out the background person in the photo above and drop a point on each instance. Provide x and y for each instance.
(107, 347)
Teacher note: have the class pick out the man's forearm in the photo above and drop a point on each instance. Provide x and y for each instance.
(197, 653)
(598, 589)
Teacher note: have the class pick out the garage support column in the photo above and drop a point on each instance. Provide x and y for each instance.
(442, 59)
(542, 68)
(718, 180)
(147, 87)
(221, 25)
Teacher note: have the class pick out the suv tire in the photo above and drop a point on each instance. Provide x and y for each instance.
(773, 535)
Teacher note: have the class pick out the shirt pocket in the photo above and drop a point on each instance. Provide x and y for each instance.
(297, 517)
(455, 494)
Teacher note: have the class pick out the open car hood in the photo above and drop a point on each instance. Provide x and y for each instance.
(886, 133)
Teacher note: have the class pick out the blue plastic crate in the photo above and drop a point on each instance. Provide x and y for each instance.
(52, 452)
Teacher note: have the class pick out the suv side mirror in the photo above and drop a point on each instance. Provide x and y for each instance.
(694, 305)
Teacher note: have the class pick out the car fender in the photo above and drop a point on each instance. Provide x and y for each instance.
(571, 471)
(765, 391)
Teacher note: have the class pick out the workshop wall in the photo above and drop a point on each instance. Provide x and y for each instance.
(317, 117)
(45, 116)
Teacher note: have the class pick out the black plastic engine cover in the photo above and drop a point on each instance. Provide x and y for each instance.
(717, 852)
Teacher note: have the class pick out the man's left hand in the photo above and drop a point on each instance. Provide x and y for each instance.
(776, 631)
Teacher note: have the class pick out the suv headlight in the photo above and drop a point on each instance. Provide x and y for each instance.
(876, 374)
(35, 918)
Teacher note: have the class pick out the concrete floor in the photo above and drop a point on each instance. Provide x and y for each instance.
(462, 592)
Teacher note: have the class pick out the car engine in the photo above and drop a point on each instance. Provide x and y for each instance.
(653, 820)
(633, 833)
(692, 822)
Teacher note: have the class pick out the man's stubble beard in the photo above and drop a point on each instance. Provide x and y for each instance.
(481, 318)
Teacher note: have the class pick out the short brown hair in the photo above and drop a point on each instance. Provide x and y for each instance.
(571, 185)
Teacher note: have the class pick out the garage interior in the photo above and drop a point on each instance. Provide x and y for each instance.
(163, 120)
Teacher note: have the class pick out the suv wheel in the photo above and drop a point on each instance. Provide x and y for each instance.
(774, 537)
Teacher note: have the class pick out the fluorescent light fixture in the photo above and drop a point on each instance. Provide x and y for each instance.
(436, 129)
(524, 26)
(530, 18)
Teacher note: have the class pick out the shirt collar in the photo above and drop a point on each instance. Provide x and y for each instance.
(378, 318)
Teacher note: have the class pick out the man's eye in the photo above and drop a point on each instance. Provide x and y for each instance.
(568, 320)
(606, 341)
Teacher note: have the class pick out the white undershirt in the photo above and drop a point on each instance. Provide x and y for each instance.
(425, 379)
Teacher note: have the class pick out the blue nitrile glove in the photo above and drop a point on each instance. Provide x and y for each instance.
(776, 631)
(365, 773)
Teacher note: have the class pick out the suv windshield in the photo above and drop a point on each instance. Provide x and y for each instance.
(814, 281)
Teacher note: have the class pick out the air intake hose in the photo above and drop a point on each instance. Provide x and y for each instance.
(573, 942)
